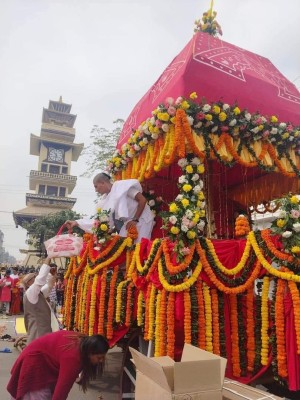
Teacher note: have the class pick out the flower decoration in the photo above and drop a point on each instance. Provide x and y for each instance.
(205, 118)
(100, 228)
(287, 224)
(155, 202)
(242, 227)
(208, 24)
(186, 216)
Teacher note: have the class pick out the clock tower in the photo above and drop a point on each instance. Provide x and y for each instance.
(52, 183)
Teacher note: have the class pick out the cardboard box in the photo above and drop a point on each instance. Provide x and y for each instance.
(233, 390)
(198, 376)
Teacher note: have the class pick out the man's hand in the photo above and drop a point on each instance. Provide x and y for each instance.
(47, 260)
(71, 224)
(130, 224)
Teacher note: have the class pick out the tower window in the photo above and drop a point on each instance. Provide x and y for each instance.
(42, 189)
(62, 192)
(54, 169)
(64, 170)
(52, 190)
(44, 167)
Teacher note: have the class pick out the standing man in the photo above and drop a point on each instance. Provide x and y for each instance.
(127, 204)
(15, 307)
(37, 311)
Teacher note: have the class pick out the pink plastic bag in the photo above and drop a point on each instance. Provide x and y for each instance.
(64, 245)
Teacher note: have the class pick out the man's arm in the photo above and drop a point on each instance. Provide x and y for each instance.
(32, 293)
(142, 201)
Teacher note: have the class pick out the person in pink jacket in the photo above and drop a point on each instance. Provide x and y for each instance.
(48, 367)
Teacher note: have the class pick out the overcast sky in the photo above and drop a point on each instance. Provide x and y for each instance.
(101, 57)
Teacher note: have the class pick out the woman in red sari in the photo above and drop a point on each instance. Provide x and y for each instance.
(15, 306)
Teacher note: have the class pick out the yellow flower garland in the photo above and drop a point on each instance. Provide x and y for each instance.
(265, 321)
(151, 313)
(119, 300)
(273, 271)
(182, 286)
(157, 326)
(140, 307)
(208, 318)
(93, 305)
(239, 266)
(127, 242)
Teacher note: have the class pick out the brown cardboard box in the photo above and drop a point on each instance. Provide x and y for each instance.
(233, 390)
(198, 376)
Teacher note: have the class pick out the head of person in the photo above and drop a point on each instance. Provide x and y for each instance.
(15, 271)
(102, 183)
(7, 272)
(3, 271)
(93, 350)
(28, 280)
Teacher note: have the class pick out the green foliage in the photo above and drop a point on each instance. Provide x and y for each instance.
(102, 146)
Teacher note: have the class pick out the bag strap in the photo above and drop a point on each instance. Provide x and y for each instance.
(62, 228)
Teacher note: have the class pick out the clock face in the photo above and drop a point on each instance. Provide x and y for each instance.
(56, 155)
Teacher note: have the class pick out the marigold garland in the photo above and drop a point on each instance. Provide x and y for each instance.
(215, 321)
(280, 329)
(147, 300)
(222, 268)
(181, 286)
(171, 325)
(102, 303)
(140, 308)
(93, 305)
(157, 326)
(242, 227)
(187, 316)
(265, 235)
(82, 304)
(296, 308)
(163, 322)
(250, 329)
(208, 318)
(235, 350)
(119, 300)
(111, 303)
(201, 316)
(129, 305)
(175, 269)
(152, 313)
(103, 252)
(273, 271)
(265, 321)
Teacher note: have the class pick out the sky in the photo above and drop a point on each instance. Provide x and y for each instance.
(101, 56)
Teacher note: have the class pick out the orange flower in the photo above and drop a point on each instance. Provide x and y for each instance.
(215, 321)
(280, 329)
(187, 317)
(101, 315)
(171, 324)
(132, 232)
(175, 269)
(111, 303)
(201, 316)
(265, 234)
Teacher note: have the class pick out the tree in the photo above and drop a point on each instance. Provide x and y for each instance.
(102, 146)
(45, 227)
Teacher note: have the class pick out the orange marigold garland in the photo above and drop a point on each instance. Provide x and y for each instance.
(215, 321)
(265, 234)
(187, 317)
(235, 350)
(250, 330)
(129, 303)
(111, 303)
(280, 329)
(176, 269)
(296, 308)
(147, 301)
(265, 321)
(163, 321)
(171, 324)
(152, 313)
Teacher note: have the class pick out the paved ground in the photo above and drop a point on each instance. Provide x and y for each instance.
(107, 387)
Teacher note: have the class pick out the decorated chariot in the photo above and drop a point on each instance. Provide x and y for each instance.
(208, 158)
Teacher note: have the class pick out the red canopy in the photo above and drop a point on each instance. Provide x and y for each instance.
(218, 70)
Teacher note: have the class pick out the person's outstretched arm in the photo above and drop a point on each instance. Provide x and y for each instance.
(32, 293)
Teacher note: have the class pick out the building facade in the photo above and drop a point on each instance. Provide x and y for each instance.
(51, 184)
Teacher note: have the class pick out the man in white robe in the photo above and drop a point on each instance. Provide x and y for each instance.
(127, 207)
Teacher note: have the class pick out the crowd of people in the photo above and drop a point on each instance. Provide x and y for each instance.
(12, 289)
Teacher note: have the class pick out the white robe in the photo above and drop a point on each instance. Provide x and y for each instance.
(121, 201)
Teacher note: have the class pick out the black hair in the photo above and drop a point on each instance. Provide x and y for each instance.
(52, 265)
(89, 345)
